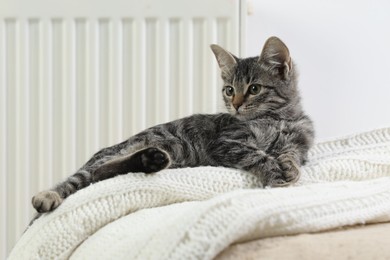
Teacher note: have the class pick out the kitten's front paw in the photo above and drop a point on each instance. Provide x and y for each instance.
(290, 168)
(280, 172)
(154, 160)
(46, 201)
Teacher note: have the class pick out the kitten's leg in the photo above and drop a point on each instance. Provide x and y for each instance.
(240, 155)
(287, 172)
(148, 160)
(48, 200)
(274, 171)
(290, 149)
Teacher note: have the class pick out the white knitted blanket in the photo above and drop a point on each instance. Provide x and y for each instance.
(195, 213)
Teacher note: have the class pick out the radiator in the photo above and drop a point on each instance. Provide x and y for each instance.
(76, 76)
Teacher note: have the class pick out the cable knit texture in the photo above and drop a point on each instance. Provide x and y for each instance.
(194, 213)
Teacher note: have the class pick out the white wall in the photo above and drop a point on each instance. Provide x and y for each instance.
(342, 49)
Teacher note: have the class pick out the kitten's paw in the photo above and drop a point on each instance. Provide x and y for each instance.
(46, 201)
(272, 175)
(154, 160)
(280, 172)
(290, 168)
(277, 182)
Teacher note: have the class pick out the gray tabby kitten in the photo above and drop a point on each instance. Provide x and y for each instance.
(265, 132)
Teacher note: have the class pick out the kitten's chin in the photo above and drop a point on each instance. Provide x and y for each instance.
(242, 115)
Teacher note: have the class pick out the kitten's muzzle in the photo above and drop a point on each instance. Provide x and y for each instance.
(237, 106)
(238, 100)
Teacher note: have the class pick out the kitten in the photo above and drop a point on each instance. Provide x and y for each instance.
(265, 132)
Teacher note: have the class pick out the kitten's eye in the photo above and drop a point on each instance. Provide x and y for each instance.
(254, 89)
(229, 91)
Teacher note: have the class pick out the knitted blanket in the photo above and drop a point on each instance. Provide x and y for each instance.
(197, 212)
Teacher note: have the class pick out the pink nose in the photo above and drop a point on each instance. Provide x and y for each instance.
(237, 106)
(237, 101)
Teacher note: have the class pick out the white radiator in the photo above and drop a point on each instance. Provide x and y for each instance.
(79, 75)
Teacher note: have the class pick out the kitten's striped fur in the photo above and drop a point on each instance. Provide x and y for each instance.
(265, 132)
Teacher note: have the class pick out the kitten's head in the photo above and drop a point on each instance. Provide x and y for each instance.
(258, 86)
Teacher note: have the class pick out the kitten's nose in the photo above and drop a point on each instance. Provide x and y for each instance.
(237, 106)
(237, 101)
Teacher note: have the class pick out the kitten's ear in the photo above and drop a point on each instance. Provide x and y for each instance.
(226, 60)
(276, 55)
